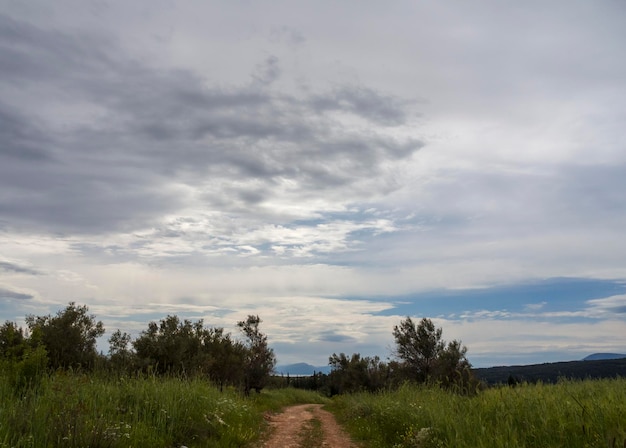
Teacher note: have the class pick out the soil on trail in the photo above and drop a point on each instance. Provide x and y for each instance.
(288, 426)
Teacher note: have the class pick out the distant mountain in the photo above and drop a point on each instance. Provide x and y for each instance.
(552, 372)
(600, 356)
(300, 369)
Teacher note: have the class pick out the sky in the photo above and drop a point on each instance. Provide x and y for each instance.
(330, 166)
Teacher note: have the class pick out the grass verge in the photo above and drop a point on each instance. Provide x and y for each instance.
(78, 410)
(570, 413)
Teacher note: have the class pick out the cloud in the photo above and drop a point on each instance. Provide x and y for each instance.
(526, 341)
(165, 159)
(331, 336)
(291, 36)
(267, 72)
(10, 294)
(22, 139)
(364, 102)
(611, 307)
(142, 141)
(535, 306)
(9, 266)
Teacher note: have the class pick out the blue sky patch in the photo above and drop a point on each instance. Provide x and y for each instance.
(545, 296)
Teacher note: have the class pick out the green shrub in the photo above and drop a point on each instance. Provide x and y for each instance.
(27, 372)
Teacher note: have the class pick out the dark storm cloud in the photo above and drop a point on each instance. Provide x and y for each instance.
(107, 135)
(8, 294)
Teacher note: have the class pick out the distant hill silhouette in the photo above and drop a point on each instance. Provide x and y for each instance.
(597, 365)
(600, 356)
(300, 369)
(552, 372)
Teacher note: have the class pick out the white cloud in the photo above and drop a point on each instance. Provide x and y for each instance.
(535, 306)
(608, 307)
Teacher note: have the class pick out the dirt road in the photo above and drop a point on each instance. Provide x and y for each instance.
(306, 426)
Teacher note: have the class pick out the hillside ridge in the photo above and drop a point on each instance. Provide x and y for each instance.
(601, 356)
(552, 372)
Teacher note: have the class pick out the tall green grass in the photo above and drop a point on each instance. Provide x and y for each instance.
(568, 414)
(80, 410)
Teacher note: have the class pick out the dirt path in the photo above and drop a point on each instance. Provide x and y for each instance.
(289, 429)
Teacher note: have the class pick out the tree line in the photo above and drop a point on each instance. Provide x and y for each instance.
(173, 346)
(421, 355)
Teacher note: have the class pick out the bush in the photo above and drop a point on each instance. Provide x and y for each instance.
(28, 372)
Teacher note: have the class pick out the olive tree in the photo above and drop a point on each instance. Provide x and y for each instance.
(224, 358)
(69, 337)
(171, 346)
(356, 373)
(175, 346)
(12, 341)
(259, 357)
(426, 356)
(121, 357)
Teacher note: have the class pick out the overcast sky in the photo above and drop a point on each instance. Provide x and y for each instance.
(330, 166)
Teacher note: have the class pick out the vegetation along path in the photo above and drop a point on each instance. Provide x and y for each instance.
(306, 426)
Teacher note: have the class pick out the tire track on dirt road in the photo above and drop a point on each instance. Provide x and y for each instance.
(288, 426)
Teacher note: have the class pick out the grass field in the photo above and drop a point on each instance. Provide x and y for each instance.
(80, 410)
(568, 414)
(77, 410)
